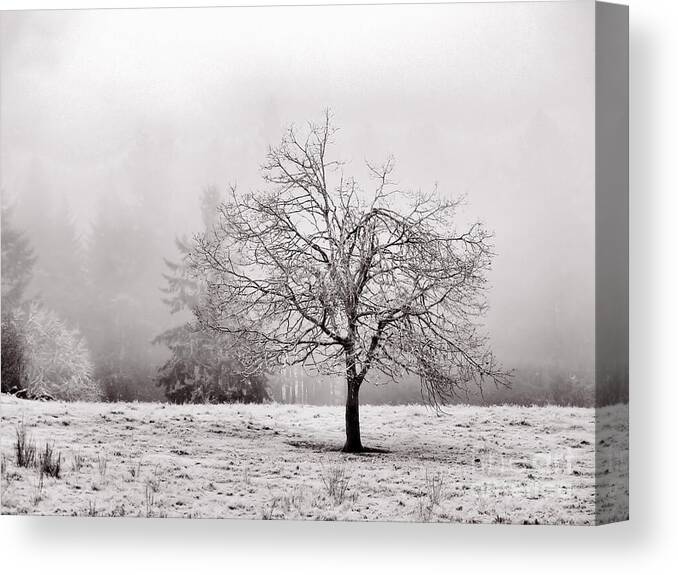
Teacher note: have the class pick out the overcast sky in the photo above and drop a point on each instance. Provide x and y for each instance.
(494, 101)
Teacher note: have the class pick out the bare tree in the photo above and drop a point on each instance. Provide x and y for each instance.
(317, 271)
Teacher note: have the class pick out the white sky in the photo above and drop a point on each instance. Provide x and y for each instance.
(495, 101)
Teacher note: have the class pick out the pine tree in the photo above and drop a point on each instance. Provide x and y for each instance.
(59, 278)
(199, 369)
(120, 316)
(18, 260)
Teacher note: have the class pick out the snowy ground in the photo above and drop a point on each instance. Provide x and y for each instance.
(475, 464)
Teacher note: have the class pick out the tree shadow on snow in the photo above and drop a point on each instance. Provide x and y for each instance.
(324, 447)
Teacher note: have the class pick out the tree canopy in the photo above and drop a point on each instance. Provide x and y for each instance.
(316, 270)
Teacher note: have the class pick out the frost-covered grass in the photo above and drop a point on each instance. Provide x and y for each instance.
(475, 464)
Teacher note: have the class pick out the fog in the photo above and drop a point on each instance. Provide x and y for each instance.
(124, 117)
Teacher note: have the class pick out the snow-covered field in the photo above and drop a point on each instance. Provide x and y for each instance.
(474, 464)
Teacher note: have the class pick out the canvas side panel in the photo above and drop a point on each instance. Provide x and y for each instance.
(612, 262)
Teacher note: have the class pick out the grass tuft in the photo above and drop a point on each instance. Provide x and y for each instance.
(38, 486)
(150, 491)
(335, 478)
(102, 463)
(78, 462)
(49, 463)
(434, 487)
(24, 447)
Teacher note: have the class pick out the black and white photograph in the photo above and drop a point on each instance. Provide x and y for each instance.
(341, 263)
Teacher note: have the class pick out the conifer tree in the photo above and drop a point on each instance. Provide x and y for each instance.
(200, 370)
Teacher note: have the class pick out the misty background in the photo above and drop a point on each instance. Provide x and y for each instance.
(114, 122)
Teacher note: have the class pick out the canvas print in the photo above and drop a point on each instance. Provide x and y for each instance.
(358, 263)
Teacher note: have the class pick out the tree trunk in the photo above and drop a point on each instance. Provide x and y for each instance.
(353, 443)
